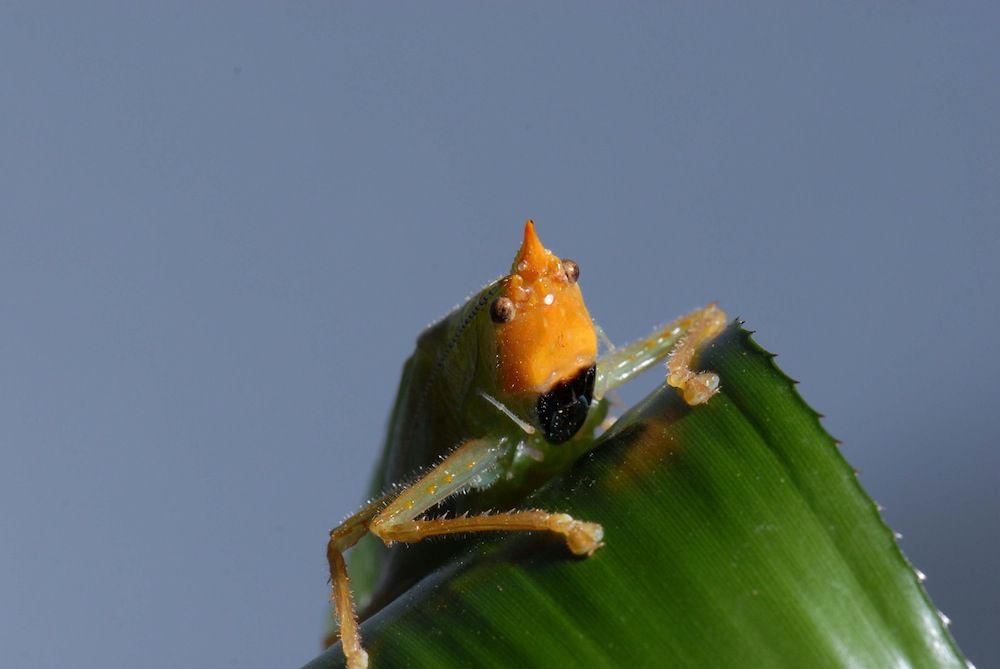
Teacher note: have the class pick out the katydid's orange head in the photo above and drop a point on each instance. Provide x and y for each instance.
(546, 343)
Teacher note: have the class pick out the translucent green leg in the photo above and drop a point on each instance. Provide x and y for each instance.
(399, 521)
(678, 342)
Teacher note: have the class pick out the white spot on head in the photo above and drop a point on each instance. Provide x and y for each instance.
(549, 299)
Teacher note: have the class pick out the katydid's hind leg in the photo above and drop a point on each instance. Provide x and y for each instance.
(469, 465)
(679, 342)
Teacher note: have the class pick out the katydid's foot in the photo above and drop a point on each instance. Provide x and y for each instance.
(582, 538)
(358, 659)
(699, 388)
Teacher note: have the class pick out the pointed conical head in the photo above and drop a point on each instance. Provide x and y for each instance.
(547, 337)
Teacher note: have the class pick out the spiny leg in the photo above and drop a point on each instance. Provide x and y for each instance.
(460, 469)
(399, 521)
(343, 537)
(582, 538)
(679, 342)
(395, 519)
(343, 604)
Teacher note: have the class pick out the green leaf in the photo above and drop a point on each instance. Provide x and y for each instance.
(736, 536)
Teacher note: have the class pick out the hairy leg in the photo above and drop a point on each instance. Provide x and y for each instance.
(397, 519)
(343, 537)
(678, 342)
(400, 521)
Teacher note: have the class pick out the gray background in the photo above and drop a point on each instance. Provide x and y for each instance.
(221, 229)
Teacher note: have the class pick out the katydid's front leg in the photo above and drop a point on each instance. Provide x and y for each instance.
(466, 466)
(400, 521)
(679, 342)
(343, 537)
(395, 518)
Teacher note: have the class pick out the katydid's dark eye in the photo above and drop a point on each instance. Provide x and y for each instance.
(572, 270)
(502, 310)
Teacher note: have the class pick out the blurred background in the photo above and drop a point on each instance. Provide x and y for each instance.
(222, 228)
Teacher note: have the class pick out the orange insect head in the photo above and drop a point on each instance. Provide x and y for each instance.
(548, 336)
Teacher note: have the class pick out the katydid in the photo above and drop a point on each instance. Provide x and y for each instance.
(502, 394)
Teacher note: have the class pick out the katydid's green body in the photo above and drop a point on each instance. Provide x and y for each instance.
(438, 407)
(501, 395)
